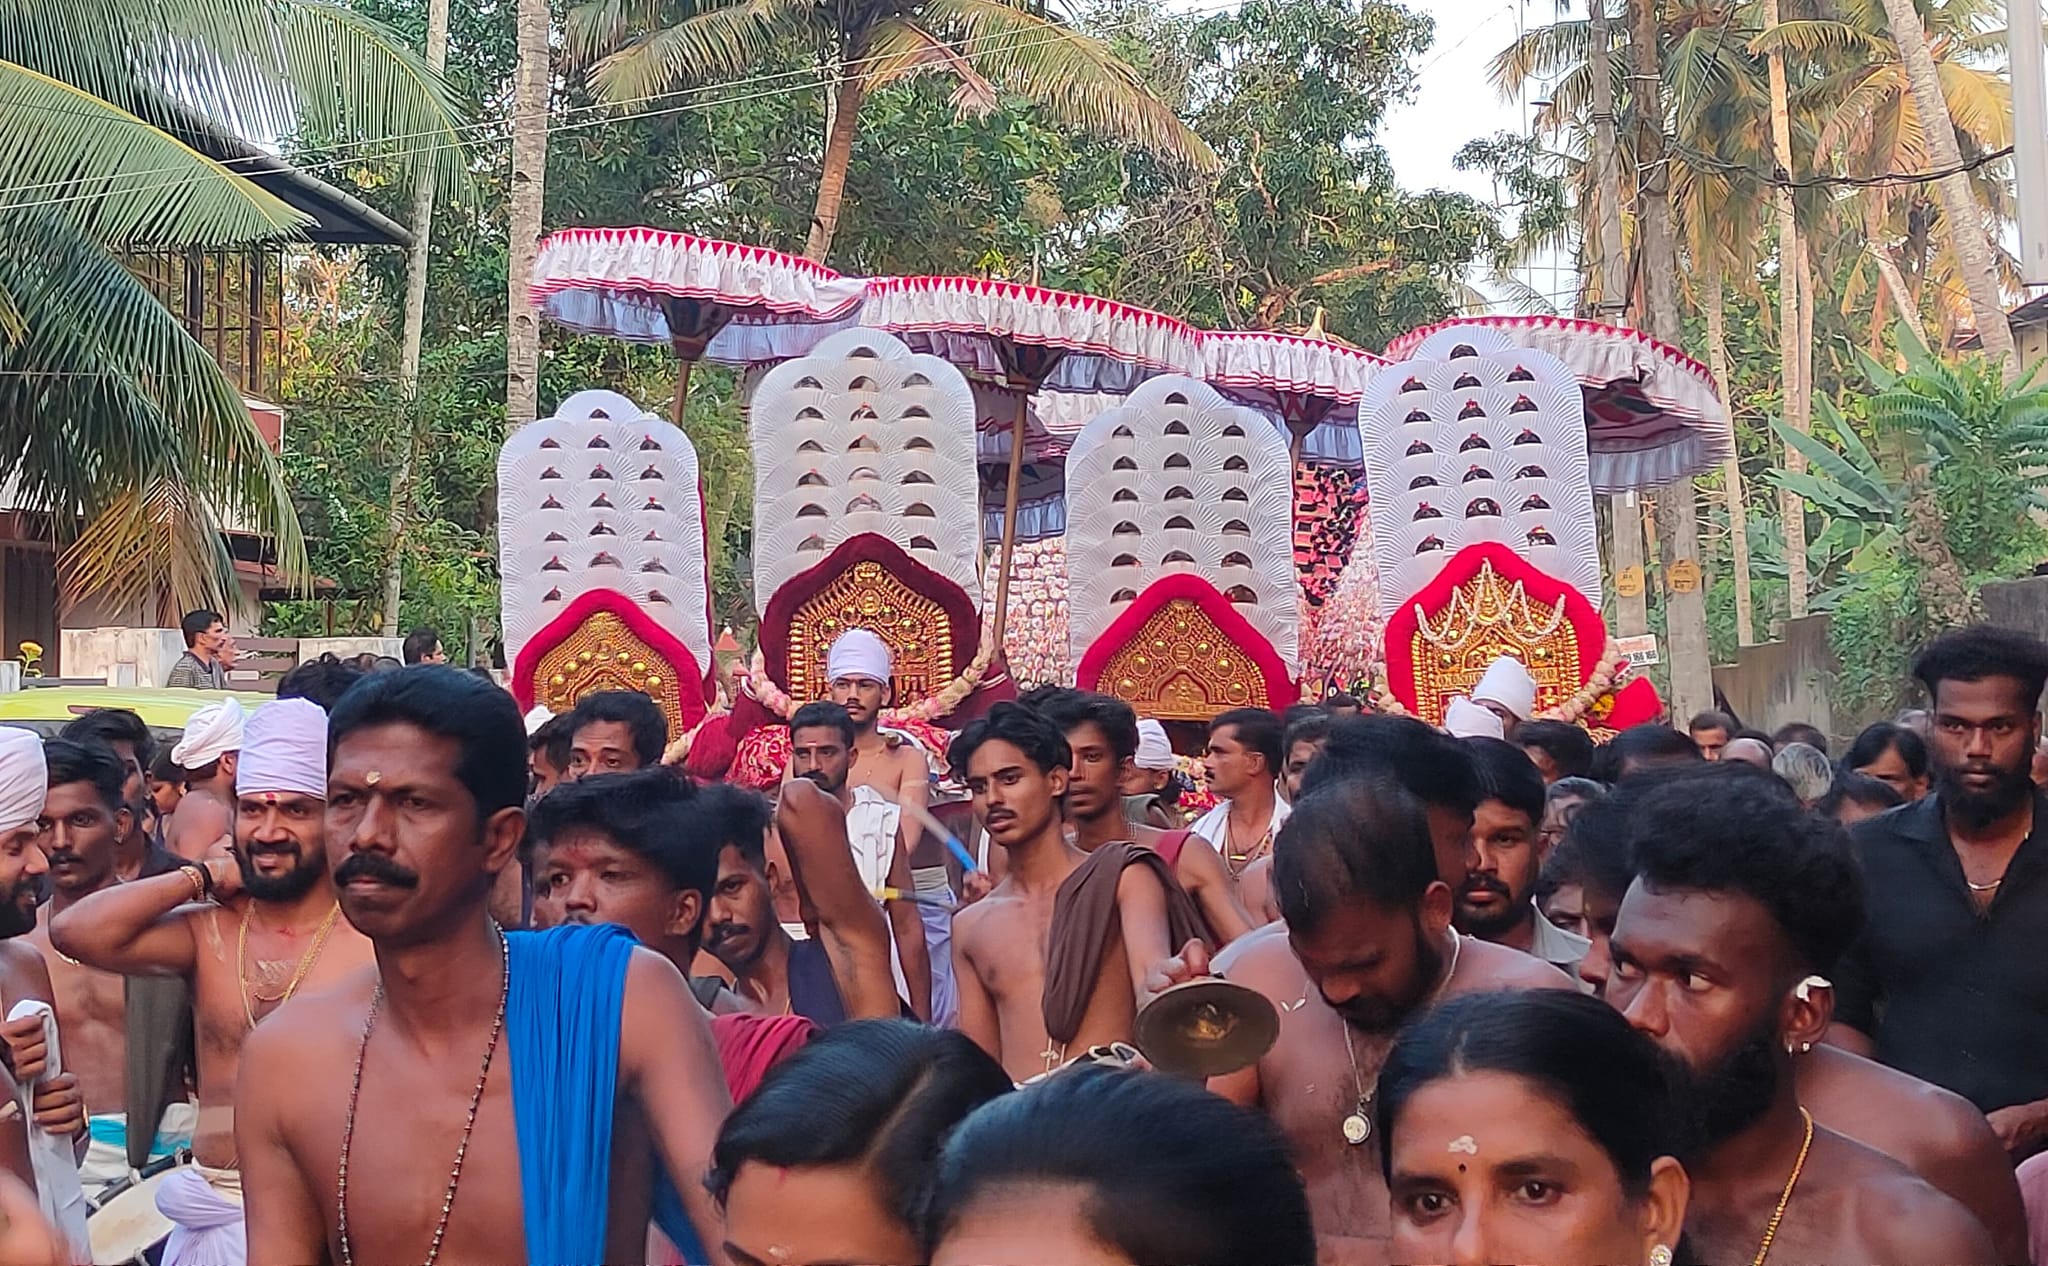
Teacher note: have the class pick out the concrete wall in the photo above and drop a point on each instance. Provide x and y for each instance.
(122, 656)
(2018, 604)
(2032, 341)
(1774, 683)
(143, 657)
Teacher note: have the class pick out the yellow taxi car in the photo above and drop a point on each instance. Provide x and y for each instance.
(48, 709)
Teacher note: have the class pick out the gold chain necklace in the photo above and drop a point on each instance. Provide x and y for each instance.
(1763, 1250)
(306, 962)
(476, 1098)
(1358, 1126)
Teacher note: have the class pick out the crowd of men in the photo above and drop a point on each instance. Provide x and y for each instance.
(388, 972)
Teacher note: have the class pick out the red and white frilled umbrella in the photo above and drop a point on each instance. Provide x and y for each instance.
(1026, 339)
(1310, 386)
(1652, 414)
(705, 299)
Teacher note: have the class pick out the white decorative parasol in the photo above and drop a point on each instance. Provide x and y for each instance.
(1027, 339)
(704, 299)
(1652, 414)
(1309, 386)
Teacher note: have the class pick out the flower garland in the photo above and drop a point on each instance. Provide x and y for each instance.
(777, 700)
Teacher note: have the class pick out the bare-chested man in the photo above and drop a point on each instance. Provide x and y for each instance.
(83, 821)
(1741, 903)
(270, 931)
(208, 753)
(821, 737)
(1102, 733)
(58, 1105)
(1025, 972)
(858, 665)
(1936, 1133)
(1365, 944)
(386, 1119)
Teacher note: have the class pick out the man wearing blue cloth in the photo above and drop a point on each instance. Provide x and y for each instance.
(477, 1097)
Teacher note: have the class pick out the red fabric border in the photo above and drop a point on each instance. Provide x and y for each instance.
(1511, 567)
(557, 630)
(1404, 346)
(1281, 689)
(782, 607)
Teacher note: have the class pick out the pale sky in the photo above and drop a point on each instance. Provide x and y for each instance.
(1455, 103)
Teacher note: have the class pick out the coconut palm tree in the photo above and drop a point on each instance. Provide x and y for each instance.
(639, 49)
(111, 414)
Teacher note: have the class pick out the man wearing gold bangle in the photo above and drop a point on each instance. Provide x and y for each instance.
(248, 927)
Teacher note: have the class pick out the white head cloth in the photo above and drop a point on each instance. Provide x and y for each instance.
(284, 750)
(1154, 752)
(24, 778)
(858, 653)
(538, 717)
(1508, 684)
(210, 733)
(1466, 719)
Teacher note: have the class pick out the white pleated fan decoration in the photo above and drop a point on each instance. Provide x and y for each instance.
(863, 436)
(603, 495)
(1178, 479)
(1475, 439)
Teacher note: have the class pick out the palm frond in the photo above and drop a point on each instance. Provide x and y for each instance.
(901, 49)
(1814, 37)
(105, 395)
(314, 72)
(716, 43)
(122, 181)
(597, 27)
(1071, 75)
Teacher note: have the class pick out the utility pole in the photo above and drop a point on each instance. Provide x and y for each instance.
(1624, 515)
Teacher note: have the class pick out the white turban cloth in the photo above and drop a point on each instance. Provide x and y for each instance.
(1466, 719)
(24, 778)
(284, 751)
(1154, 752)
(1508, 684)
(858, 653)
(211, 733)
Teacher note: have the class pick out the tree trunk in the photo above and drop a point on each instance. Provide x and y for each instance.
(529, 183)
(1731, 470)
(1960, 212)
(1624, 516)
(415, 320)
(1902, 298)
(846, 102)
(1797, 401)
(1678, 522)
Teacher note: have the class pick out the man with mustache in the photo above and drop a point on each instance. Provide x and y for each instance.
(1935, 1133)
(1497, 900)
(1365, 943)
(136, 855)
(473, 1095)
(58, 1106)
(821, 739)
(1741, 906)
(841, 971)
(1948, 982)
(1052, 961)
(83, 822)
(248, 928)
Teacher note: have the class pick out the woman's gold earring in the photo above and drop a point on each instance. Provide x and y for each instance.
(1660, 1255)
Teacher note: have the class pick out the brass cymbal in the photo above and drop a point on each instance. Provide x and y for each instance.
(1206, 1028)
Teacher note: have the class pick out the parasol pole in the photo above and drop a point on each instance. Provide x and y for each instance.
(1009, 554)
(692, 324)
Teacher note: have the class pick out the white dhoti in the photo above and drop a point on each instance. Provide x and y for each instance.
(206, 1204)
(106, 1155)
